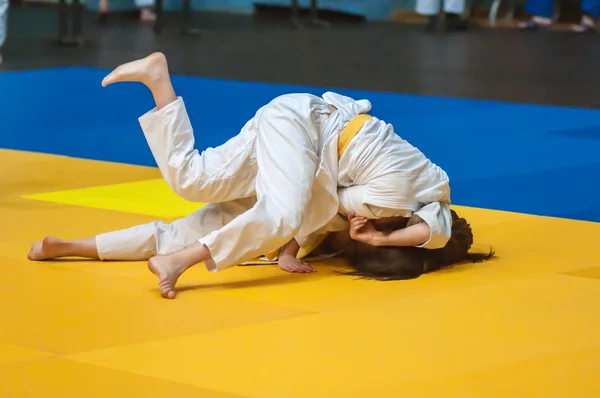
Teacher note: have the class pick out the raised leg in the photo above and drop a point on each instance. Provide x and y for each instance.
(152, 71)
(219, 174)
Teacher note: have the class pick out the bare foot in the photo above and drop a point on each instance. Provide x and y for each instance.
(47, 249)
(167, 271)
(146, 70)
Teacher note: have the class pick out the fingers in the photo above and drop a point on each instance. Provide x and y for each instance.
(356, 227)
(360, 223)
(297, 266)
(306, 268)
(352, 217)
(288, 267)
(357, 223)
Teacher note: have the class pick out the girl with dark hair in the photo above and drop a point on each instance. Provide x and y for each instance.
(372, 253)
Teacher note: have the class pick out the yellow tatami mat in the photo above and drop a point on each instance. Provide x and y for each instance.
(152, 197)
(523, 325)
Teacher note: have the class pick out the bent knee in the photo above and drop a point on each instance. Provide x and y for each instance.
(169, 238)
(282, 107)
(185, 192)
(288, 224)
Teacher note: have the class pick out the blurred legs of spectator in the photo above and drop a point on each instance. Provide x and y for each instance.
(543, 10)
(3, 21)
(146, 10)
(453, 9)
(103, 11)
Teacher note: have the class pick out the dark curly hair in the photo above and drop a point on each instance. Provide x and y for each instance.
(397, 263)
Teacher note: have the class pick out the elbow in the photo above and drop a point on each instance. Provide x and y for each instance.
(181, 186)
(187, 184)
(435, 241)
(423, 233)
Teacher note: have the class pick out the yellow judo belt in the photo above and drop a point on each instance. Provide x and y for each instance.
(344, 139)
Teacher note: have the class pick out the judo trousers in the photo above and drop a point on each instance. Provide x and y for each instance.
(258, 185)
(432, 7)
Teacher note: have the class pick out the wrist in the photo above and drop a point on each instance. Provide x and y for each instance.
(378, 239)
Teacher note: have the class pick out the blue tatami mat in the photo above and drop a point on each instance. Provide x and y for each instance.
(525, 158)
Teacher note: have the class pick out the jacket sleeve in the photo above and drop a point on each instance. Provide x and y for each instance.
(437, 215)
(351, 201)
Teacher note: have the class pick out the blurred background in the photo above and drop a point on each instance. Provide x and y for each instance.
(537, 51)
(502, 94)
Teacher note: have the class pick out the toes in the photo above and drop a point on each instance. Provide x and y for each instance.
(116, 75)
(34, 252)
(108, 80)
(167, 293)
(166, 289)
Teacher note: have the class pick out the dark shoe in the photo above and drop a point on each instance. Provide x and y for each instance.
(103, 18)
(456, 22)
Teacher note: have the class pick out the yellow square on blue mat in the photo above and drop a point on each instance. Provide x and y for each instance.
(151, 197)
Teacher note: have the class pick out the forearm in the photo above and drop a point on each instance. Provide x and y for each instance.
(413, 235)
(290, 249)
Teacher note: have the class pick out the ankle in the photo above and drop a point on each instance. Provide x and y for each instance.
(191, 255)
(159, 83)
(63, 248)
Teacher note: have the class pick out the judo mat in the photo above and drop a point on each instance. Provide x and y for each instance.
(526, 324)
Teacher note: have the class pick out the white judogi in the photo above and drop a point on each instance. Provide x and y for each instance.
(278, 179)
(432, 7)
(382, 175)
